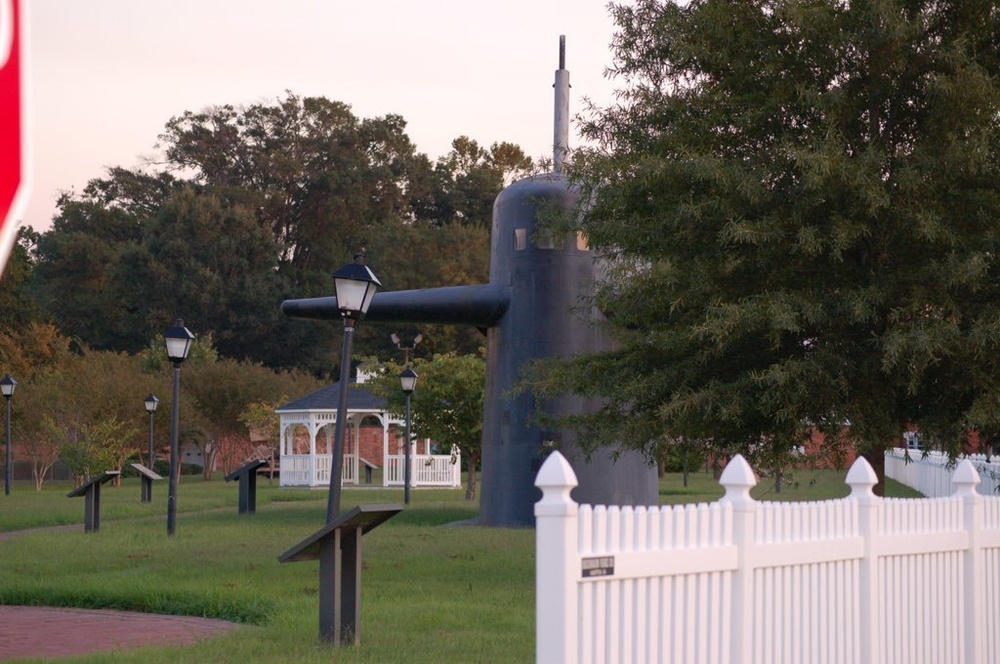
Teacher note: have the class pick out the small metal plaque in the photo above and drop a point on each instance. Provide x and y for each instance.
(598, 566)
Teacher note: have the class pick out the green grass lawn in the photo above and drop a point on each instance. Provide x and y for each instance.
(431, 592)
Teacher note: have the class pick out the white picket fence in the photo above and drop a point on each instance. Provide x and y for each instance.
(930, 474)
(861, 580)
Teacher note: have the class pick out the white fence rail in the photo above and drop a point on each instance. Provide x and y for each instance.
(930, 474)
(306, 470)
(860, 580)
(425, 470)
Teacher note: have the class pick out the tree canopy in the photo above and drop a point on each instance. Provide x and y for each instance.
(796, 202)
(253, 205)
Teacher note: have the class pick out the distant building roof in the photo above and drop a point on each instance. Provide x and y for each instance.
(328, 398)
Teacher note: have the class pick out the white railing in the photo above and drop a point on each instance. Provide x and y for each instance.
(860, 580)
(931, 474)
(349, 473)
(306, 470)
(297, 470)
(425, 470)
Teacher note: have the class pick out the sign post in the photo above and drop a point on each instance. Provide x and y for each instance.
(13, 150)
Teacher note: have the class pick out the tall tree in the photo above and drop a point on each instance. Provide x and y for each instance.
(797, 204)
(319, 177)
(468, 179)
(257, 204)
(421, 255)
(206, 259)
(73, 279)
(16, 299)
(134, 252)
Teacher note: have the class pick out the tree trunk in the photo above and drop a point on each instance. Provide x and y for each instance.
(685, 467)
(208, 456)
(39, 469)
(876, 457)
(38, 474)
(470, 487)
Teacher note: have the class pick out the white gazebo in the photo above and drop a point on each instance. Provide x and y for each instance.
(307, 431)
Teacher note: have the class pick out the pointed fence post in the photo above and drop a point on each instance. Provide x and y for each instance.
(862, 479)
(965, 480)
(737, 479)
(557, 566)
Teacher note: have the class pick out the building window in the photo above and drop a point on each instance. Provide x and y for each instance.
(520, 239)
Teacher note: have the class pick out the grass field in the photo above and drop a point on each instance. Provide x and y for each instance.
(431, 592)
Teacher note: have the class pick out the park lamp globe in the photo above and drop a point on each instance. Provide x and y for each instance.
(7, 385)
(151, 403)
(178, 340)
(355, 285)
(408, 380)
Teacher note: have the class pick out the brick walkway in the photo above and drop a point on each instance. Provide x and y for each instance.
(46, 632)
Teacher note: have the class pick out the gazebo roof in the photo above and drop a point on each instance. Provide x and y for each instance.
(328, 398)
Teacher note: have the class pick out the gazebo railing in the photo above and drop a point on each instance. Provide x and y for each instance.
(307, 470)
(350, 474)
(427, 470)
(297, 470)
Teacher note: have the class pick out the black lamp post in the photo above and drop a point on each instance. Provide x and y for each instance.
(355, 284)
(408, 381)
(7, 385)
(178, 339)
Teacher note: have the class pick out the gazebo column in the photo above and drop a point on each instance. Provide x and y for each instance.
(313, 464)
(328, 432)
(283, 448)
(357, 449)
(385, 449)
(286, 442)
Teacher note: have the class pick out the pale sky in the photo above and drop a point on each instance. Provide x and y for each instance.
(106, 75)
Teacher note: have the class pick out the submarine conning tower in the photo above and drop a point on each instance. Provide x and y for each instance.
(548, 279)
(531, 309)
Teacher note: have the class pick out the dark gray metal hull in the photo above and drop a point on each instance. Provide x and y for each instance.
(544, 319)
